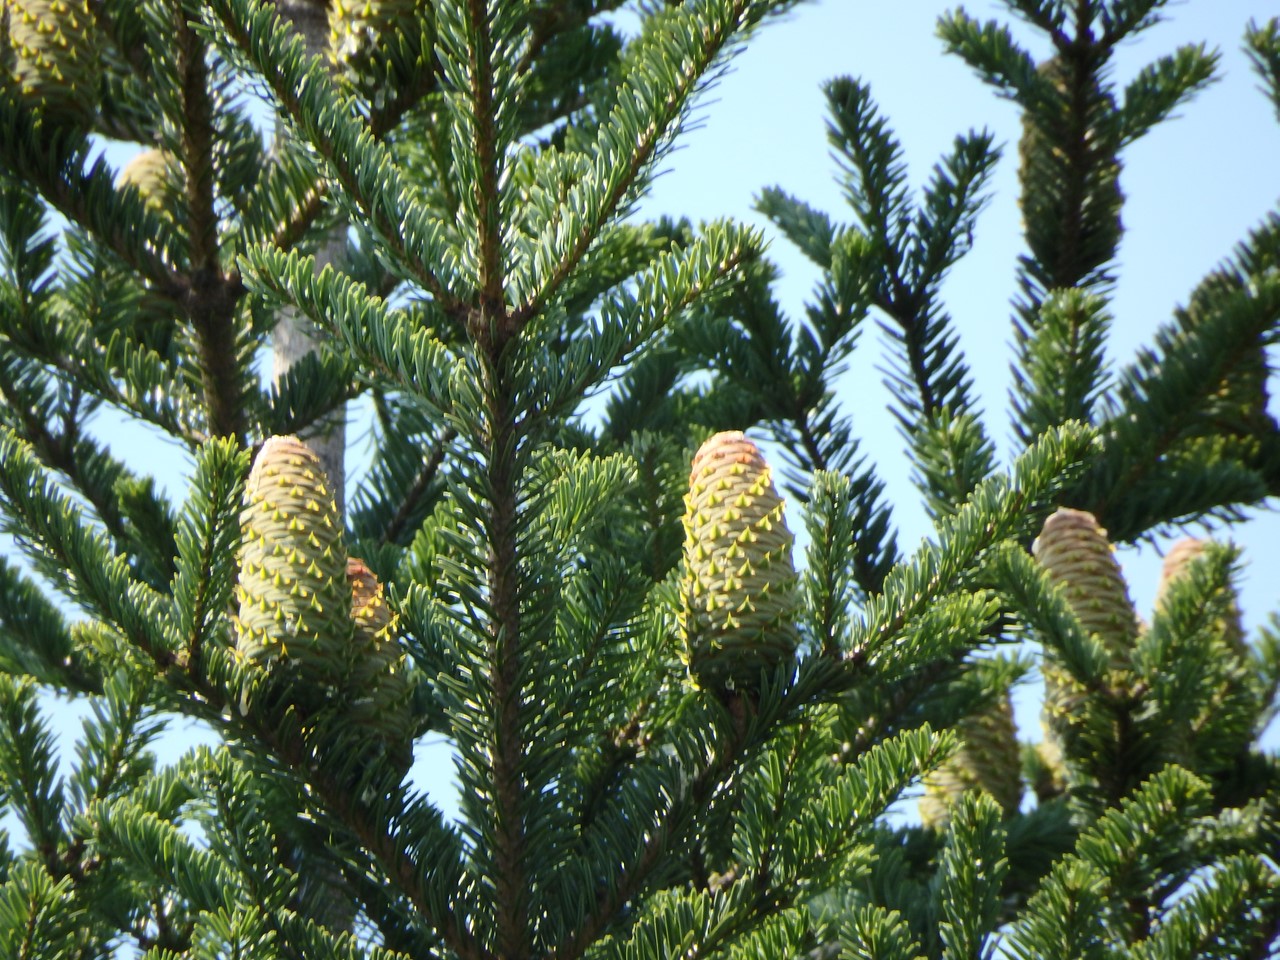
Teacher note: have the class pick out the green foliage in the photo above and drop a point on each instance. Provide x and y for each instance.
(973, 868)
(542, 368)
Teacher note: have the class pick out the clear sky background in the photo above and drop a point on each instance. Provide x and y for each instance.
(1195, 186)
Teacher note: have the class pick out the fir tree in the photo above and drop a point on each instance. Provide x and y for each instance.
(672, 736)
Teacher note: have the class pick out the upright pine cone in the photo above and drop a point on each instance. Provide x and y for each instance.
(1176, 564)
(148, 171)
(1080, 562)
(57, 60)
(1052, 155)
(378, 694)
(295, 601)
(1076, 553)
(738, 588)
(989, 759)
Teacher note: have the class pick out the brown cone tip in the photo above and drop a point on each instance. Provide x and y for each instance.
(1180, 556)
(723, 450)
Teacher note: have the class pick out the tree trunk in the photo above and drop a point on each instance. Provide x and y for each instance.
(295, 336)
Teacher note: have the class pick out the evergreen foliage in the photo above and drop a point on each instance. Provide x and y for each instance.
(641, 774)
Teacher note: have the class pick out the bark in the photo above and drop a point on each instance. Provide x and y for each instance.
(295, 336)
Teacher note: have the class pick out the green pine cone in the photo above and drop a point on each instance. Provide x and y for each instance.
(295, 602)
(149, 172)
(1080, 561)
(362, 34)
(57, 60)
(989, 758)
(379, 694)
(738, 589)
(1176, 562)
(1050, 158)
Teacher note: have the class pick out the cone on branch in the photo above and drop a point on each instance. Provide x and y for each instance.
(379, 694)
(989, 758)
(56, 57)
(149, 172)
(1068, 147)
(738, 589)
(1177, 563)
(294, 598)
(1080, 561)
(372, 42)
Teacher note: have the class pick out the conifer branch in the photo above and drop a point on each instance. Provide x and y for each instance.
(64, 451)
(407, 352)
(304, 213)
(361, 164)
(35, 639)
(396, 862)
(85, 194)
(198, 136)
(510, 843)
(669, 825)
(303, 216)
(1262, 44)
(388, 849)
(1000, 509)
(421, 484)
(120, 371)
(1160, 409)
(211, 305)
(633, 136)
(75, 556)
(487, 157)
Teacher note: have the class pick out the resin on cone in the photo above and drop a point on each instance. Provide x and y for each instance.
(56, 56)
(294, 598)
(738, 590)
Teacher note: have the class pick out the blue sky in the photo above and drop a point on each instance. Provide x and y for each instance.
(1195, 185)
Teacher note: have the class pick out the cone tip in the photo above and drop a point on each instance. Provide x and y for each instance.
(731, 446)
(1065, 521)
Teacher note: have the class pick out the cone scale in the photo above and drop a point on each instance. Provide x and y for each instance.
(737, 609)
(1080, 561)
(57, 62)
(294, 598)
(378, 689)
(989, 759)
